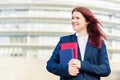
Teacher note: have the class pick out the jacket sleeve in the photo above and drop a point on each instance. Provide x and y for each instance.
(54, 66)
(101, 69)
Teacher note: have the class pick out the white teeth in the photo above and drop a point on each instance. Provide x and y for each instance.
(75, 23)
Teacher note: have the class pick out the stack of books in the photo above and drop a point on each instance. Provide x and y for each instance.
(68, 51)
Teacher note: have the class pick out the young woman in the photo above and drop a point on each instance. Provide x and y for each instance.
(92, 62)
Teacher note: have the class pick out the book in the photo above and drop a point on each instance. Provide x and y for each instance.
(66, 55)
(71, 45)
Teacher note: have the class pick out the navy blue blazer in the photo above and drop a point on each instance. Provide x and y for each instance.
(94, 65)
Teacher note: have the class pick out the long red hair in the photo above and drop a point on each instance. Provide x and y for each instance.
(96, 34)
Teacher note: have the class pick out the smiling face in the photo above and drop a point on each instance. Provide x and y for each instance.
(79, 23)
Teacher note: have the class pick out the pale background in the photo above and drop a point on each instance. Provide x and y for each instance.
(30, 29)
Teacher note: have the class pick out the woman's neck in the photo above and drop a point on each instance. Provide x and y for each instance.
(84, 33)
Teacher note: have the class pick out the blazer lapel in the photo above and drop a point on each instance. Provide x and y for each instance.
(87, 50)
(74, 38)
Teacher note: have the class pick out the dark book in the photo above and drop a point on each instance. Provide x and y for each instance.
(65, 55)
(72, 45)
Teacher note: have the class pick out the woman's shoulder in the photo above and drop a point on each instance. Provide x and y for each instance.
(103, 43)
(67, 37)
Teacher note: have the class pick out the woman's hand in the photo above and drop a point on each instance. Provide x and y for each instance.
(74, 66)
(73, 70)
(75, 62)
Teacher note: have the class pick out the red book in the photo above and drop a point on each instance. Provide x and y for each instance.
(72, 45)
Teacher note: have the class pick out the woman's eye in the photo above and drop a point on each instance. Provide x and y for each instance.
(72, 17)
(77, 18)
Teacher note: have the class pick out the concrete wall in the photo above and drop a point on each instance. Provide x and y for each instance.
(35, 69)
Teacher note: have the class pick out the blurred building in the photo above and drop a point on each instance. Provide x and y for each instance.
(31, 28)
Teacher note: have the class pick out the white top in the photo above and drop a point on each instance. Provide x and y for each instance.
(82, 42)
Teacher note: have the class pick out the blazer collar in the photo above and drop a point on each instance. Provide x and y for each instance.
(88, 49)
(74, 38)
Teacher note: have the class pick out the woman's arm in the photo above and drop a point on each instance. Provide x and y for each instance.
(54, 66)
(102, 69)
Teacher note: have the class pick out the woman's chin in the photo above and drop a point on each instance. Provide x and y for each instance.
(74, 29)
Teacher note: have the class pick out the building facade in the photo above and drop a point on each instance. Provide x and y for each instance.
(32, 28)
